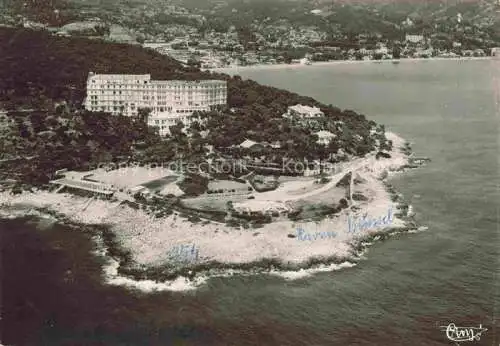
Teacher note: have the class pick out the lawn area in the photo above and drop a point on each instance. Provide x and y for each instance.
(159, 184)
(128, 177)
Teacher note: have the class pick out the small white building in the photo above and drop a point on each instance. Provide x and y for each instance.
(324, 137)
(139, 188)
(382, 50)
(305, 61)
(414, 38)
(301, 111)
(4, 119)
(407, 22)
(63, 33)
(248, 144)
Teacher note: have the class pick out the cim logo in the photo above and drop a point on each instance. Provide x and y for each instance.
(463, 334)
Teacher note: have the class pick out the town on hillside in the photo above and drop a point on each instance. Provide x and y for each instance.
(222, 33)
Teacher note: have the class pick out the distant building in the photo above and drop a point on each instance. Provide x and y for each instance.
(414, 38)
(4, 119)
(363, 51)
(305, 61)
(251, 145)
(137, 189)
(304, 115)
(62, 33)
(324, 137)
(424, 52)
(408, 22)
(495, 52)
(169, 100)
(300, 111)
(33, 25)
(274, 145)
(382, 50)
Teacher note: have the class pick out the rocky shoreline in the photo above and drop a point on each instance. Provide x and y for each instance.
(105, 239)
(108, 238)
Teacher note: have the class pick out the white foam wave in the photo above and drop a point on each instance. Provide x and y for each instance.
(303, 273)
(179, 284)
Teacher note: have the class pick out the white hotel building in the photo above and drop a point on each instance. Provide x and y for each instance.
(169, 100)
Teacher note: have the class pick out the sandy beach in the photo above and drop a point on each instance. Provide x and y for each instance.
(341, 62)
(149, 239)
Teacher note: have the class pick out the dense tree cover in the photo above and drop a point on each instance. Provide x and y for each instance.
(194, 184)
(342, 18)
(51, 12)
(252, 120)
(54, 141)
(35, 66)
(46, 76)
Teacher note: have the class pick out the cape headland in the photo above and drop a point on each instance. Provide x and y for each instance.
(141, 242)
(246, 174)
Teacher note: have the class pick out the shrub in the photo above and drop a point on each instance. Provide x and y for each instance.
(343, 203)
(382, 154)
(359, 197)
(194, 185)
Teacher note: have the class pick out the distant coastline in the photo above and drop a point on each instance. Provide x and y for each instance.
(337, 62)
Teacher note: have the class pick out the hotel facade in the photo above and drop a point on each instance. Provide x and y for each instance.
(169, 100)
